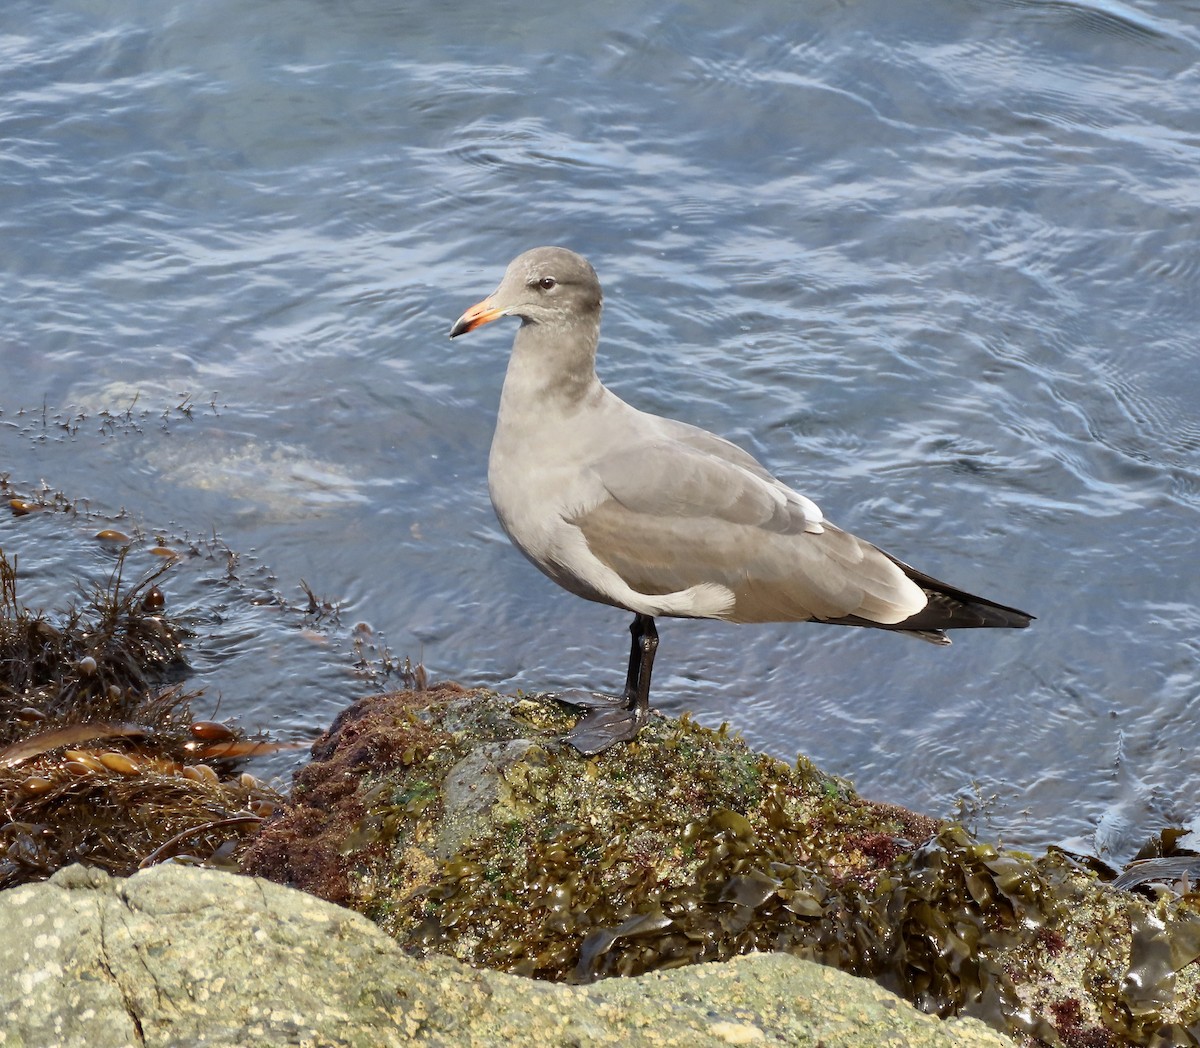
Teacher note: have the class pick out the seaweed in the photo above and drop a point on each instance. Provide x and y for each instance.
(100, 760)
(459, 823)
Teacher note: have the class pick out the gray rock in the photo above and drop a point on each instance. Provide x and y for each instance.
(181, 956)
(473, 788)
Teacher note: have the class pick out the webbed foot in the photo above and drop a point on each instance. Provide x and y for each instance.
(611, 719)
(604, 725)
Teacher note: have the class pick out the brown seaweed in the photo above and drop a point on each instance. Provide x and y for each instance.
(100, 761)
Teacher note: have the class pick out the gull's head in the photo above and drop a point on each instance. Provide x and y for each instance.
(548, 285)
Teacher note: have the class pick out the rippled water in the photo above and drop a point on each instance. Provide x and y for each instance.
(935, 263)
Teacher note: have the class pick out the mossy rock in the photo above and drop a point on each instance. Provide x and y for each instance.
(462, 825)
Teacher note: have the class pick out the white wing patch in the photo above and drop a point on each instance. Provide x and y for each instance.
(813, 517)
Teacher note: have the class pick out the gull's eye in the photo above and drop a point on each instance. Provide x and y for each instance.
(546, 283)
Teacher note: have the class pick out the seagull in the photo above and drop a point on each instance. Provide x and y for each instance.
(662, 518)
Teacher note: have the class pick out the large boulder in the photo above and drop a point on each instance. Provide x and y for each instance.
(177, 955)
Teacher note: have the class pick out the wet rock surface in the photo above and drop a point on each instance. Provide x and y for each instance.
(179, 955)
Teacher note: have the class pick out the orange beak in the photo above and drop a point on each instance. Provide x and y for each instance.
(479, 314)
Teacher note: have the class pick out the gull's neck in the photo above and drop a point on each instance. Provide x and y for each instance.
(552, 367)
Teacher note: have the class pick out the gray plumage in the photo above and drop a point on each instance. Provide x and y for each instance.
(662, 518)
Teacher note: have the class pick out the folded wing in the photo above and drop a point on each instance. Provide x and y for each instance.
(679, 515)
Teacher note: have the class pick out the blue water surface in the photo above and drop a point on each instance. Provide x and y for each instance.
(934, 262)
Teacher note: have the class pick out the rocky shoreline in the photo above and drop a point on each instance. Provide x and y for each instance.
(458, 822)
(679, 890)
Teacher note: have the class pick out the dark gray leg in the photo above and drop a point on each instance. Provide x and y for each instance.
(641, 664)
(605, 723)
